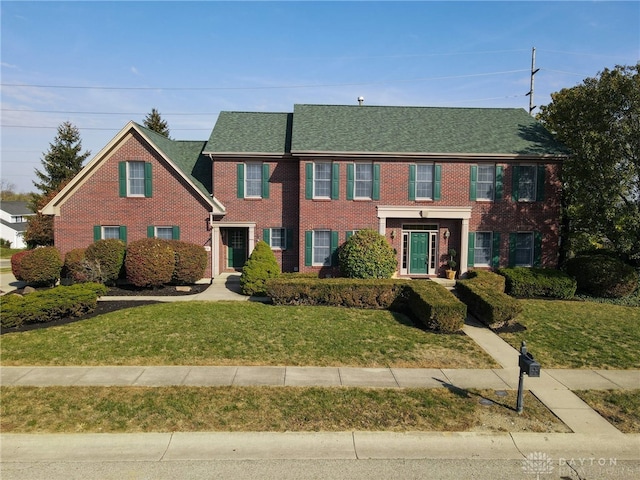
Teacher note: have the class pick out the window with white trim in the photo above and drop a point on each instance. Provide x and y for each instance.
(253, 180)
(424, 181)
(322, 180)
(165, 233)
(110, 232)
(524, 249)
(322, 247)
(135, 179)
(485, 183)
(278, 238)
(363, 180)
(482, 253)
(527, 183)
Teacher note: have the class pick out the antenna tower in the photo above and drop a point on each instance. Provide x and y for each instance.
(534, 70)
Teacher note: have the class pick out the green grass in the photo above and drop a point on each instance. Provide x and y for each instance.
(276, 409)
(243, 333)
(569, 334)
(620, 407)
(8, 252)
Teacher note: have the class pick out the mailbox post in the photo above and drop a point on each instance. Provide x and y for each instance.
(527, 366)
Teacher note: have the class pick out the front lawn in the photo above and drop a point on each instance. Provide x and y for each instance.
(620, 407)
(243, 333)
(569, 334)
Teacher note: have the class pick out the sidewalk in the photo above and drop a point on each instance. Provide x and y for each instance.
(553, 388)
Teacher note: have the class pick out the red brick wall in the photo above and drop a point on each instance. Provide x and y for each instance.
(97, 202)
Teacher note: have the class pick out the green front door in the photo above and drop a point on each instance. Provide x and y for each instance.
(237, 248)
(418, 253)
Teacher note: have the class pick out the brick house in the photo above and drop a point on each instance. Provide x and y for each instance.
(484, 182)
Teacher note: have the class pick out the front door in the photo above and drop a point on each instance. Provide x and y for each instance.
(418, 253)
(237, 248)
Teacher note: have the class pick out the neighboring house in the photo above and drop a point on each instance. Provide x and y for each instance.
(485, 182)
(13, 222)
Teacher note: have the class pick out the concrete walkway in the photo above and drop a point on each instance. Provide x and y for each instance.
(591, 432)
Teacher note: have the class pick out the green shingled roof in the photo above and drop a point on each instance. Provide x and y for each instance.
(376, 129)
(251, 132)
(187, 156)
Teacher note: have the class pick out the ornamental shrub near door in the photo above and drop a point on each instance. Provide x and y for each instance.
(367, 254)
(260, 267)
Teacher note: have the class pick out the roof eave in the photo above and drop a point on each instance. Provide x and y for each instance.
(439, 155)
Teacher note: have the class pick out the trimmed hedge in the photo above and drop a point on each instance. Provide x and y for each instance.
(538, 282)
(41, 267)
(108, 255)
(74, 265)
(190, 262)
(49, 305)
(486, 301)
(603, 276)
(428, 302)
(260, 267)
(149, 262)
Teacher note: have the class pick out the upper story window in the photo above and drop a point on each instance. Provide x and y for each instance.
(528, 183)
(486, 183)
(135, 179)
(253, 180)
(322, 180)
(363, 181)
(424, 181)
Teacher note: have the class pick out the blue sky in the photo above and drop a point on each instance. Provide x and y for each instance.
(191, 60)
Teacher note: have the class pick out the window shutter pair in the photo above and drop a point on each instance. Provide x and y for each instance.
(97, 233)
(375, 189)
(537, 249)
(540, 183)
(335, 181)
(474, 179)
(122, 179)
(240, 180)
(437, 182)
(175, 232)
(308, 248)
(495, 249)
(266, 236)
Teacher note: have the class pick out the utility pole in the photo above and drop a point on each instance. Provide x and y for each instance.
(534, 70)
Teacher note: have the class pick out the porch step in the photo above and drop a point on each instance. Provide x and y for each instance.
(445, 282)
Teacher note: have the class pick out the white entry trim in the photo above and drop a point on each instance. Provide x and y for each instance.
(215, 240)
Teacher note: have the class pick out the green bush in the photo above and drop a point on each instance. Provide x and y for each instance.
(367, 254)
(73, 267)
(487, 301)
(487, 278)
(149, 262)
(49, 305)
(109, 257)
(16, 261)
(603, 276)
(260, 267)
(538, 282)
(436, 307)
(41, 267)
(190, 262)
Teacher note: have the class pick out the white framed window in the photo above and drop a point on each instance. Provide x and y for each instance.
(110, 232)
(321, 247)
(278, 238)
(482, 252)
(165, 233)
(424, 181)
(524, 249)
(253, 180)
(135, 179)
(322, 180)
(363, 180)
(485, 184)
(527, 183)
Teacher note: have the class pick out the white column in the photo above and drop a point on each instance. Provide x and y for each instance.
(382, 225)
(252, 238)
(464, 246)
(215, 251)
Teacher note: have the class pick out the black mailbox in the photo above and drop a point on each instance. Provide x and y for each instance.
(528, 365)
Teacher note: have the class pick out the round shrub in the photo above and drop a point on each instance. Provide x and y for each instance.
(603, 276)
(149, 262)
(109, 257)
(42, 267)
(367, 254)
(16, 261)
(261, 266)
(74, 265)
(190, 262)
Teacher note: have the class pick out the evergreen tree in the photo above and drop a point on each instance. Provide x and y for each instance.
(153, 121)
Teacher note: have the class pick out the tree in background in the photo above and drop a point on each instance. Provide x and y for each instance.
(61, 163)
(8, 193)
(599, 120)
(153, 121)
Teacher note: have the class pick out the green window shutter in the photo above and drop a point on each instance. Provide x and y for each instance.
(513, 238)
(266, 235)
(495, 250)
(97, 233)
(123, 233)
(265, 180)
(350, 181)
(334, 248)
(499, 188)
(148, 183)
(537, 249)
(308, 184)
(308, 248)
(437, 182)
(472, 183)
(471, 249)
(175, 232)
(151, 231)
(375, 194)
(514, 183)
(349, 234)
(335, 181)
(540, 183)
(289, 238)
(240, 180)
(122, 179)
(412, 182)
